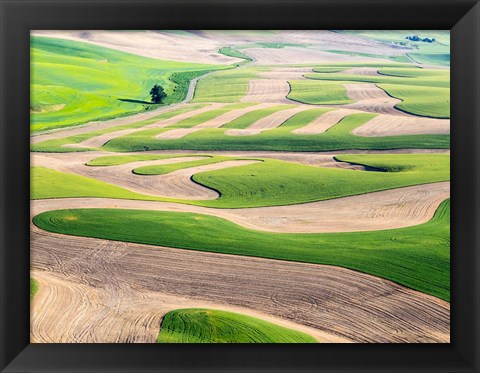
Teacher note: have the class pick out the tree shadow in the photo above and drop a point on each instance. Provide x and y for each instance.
(136, 101)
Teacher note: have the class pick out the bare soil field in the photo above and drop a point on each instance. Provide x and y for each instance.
(267, 90)
(203, 46)
(372, 99)
(299, 55)
(369, 71)
(154, 44)
(104, 291)
(393, 125)
(286, 73)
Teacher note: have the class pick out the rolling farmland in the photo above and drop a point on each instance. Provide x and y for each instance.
(289, 189)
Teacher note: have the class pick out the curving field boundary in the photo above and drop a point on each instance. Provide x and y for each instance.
(128, 287)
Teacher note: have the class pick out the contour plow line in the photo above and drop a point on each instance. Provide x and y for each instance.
(389, 209)
(94, 290)
(217, 122)
(65, 311)
(99, 141)
(394, 125)
(267, 123)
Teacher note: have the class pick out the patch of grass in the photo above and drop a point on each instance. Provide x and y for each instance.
(417, 257)
(232, 52)
(314, 92)
(197, 325)
(247, 119)
(267, 183)
(90, 83)
(33, 287)
(338, 137)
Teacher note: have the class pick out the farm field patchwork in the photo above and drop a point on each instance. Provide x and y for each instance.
(199, 186)
(269, 182)
(423, 250)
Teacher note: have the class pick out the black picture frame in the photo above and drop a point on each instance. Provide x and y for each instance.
(18, 17)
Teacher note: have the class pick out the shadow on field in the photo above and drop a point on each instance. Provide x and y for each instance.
(135, 101)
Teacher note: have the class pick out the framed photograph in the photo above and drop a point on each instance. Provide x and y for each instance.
(240, 186)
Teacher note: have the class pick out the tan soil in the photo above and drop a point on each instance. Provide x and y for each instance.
(95, 126)
(390, 209)
(177, 184)
(202, 46)
(267, 123)
(99, 141)
(370, 98)
(298, 55)
(369, 71)
(212, 123)
(104, 291)
(324, 122)
(153, 44)
(267, 90)
(391, 125)
(286, 73)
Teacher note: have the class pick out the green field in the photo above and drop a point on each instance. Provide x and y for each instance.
(339, 137)
(33, 288)
(315, 92)
(232, 52)
(74, 83)
(267, 183)
(197, 325)
(417, 257)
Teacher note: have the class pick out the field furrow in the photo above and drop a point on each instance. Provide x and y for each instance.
(123, 289)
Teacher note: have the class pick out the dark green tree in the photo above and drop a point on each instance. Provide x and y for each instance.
(158, 94)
